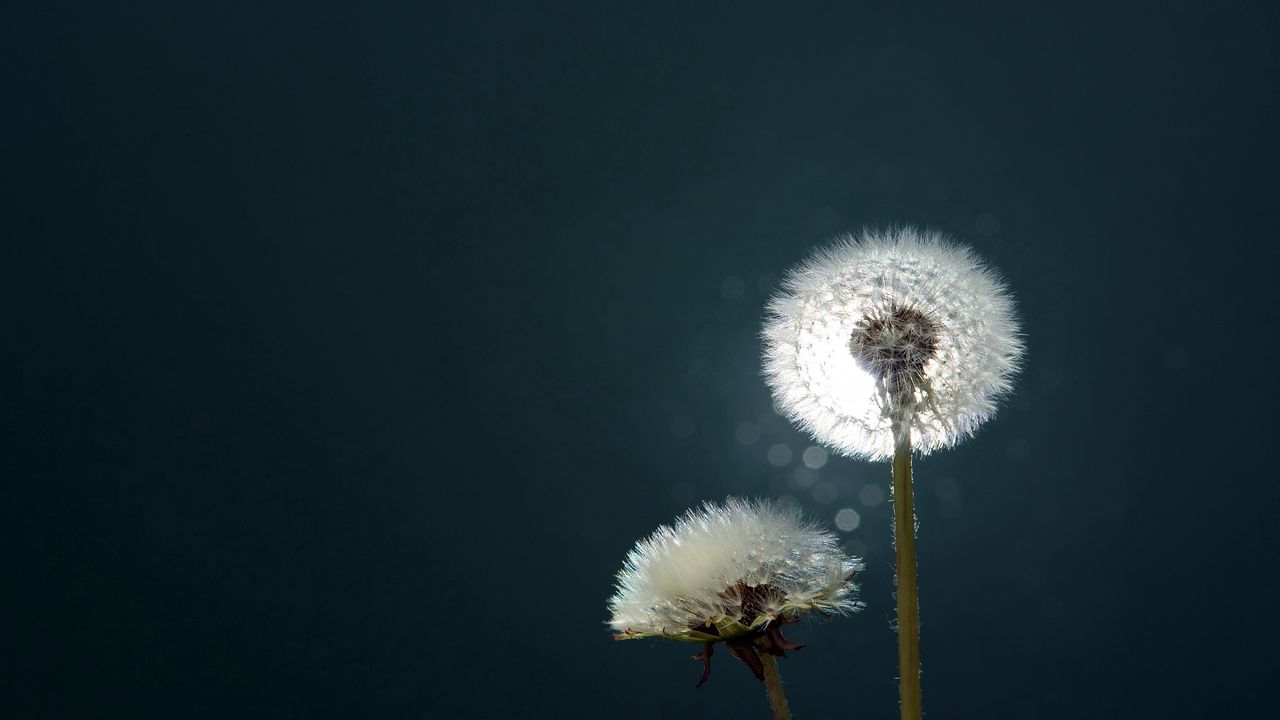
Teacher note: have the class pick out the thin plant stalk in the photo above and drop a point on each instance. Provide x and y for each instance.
(904, 530)
(773, 685)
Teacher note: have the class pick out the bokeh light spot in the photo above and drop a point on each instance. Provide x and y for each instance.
(825, 493)
(789, 503)
(847, 519)
(814, 457)
(802, 478)
(871, 495)
(779, 455)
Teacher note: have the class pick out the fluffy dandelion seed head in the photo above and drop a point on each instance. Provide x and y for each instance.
(726, 571)
(890, 331)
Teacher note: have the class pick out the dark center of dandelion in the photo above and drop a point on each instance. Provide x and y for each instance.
(747, 648)
(894, 345)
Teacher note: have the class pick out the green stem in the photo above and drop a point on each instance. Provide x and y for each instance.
(773, 684)
(904, 531)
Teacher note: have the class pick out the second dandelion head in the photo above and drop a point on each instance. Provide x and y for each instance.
(733, 574)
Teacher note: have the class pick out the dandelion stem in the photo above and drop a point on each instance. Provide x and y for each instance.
(773, 684)
(904, 531)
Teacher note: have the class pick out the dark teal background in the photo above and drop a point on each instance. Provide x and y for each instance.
(348, 349)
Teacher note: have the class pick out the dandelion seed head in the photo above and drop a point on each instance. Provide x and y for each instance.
(890, 328)
(727, 570)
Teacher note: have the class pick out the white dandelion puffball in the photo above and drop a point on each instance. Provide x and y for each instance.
(728, 571)
(891, 331)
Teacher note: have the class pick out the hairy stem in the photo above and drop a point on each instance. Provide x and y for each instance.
(904, 532)
(773, 684)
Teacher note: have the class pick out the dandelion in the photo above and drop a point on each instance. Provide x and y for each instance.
(883, 344)
(733, 573)
(893, 329)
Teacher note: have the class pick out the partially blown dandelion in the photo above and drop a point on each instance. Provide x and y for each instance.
(733, 573)
(881, 344)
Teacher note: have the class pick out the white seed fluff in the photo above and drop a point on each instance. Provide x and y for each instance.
(698, 571)
(820, 383)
